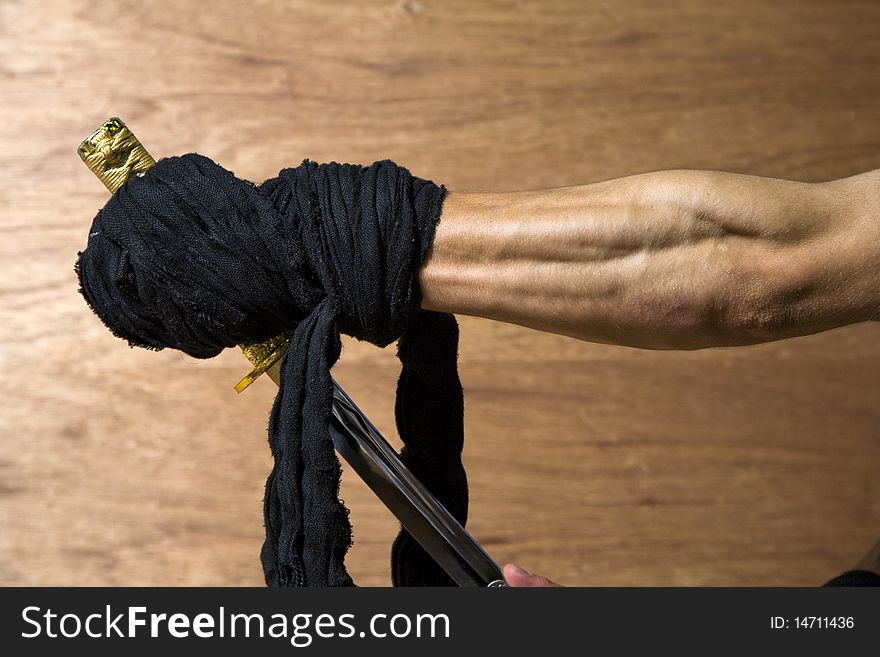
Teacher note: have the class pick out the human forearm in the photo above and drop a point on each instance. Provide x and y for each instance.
(677, 259)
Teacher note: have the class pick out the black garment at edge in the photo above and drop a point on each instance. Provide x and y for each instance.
(856, 578)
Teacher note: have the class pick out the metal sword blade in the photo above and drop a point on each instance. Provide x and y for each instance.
(421, 514)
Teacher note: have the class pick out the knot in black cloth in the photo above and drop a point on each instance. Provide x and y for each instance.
(190, 257)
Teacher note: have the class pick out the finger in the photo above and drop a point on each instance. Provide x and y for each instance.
(517, 577)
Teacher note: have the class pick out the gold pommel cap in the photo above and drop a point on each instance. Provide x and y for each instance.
(114, 155)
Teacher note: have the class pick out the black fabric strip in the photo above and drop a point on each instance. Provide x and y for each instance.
(188, 256)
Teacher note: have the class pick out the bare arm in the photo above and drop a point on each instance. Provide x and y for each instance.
(668, 260)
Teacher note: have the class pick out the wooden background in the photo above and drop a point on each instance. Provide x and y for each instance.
(594, 465)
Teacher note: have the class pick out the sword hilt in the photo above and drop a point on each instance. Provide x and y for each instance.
(114, 154)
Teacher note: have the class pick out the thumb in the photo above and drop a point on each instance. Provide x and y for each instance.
(517, 577)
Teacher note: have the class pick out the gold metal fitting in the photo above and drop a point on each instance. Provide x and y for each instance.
(114, 155)
(265, 357)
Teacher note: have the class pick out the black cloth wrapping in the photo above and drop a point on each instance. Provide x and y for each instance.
(188, 256)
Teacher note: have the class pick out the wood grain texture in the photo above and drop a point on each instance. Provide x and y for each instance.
(590, 464)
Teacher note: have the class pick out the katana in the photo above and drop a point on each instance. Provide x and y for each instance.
(114, 154)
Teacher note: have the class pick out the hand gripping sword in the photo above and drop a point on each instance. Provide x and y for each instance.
(114, 154)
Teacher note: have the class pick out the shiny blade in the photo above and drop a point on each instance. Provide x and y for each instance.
(421, 514)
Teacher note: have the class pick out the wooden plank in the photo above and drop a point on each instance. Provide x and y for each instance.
(588, 463)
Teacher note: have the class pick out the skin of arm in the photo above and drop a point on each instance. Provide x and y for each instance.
(666, 260)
